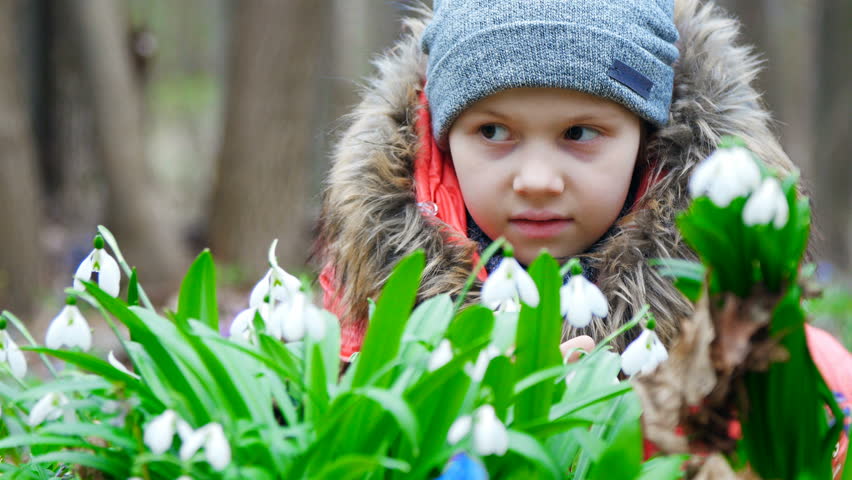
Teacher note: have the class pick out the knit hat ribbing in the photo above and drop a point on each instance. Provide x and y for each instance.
(622, 50)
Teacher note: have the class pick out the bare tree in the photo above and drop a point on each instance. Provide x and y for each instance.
(20, 207)
(263, 179)
(143, 228)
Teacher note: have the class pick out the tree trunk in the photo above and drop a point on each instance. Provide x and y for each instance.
(20, 208)
(144, 230)
(269, 143)
(833, 159)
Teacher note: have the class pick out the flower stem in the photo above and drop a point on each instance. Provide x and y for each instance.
(483, 260)
(26, 333)
(627, 326)
(113, 244)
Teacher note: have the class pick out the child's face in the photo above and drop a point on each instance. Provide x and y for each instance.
(546, 168)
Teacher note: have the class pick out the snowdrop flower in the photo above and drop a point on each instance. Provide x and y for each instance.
(160, 432)
(441, 355)
(477, 370)
(644, 354)
(69, 328)
(489, 434)
(99, 261)
(725, 175)
(277, 284)
(508, 282)
(217, 452)
(120, 366)
(242, 327)
(9, 352)
(459, 429)
(580, 299)
(768, 204)
(49, 407)
(303, 316)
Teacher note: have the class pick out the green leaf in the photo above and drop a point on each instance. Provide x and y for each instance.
(116, 436)
(399, 410)
(530, 449)
(622, 457)
(105, 370)
(539, 331)
(427, 325)
(197, 298)
(664, 468)
(382, 341)
(358, 466)
(133, 288)
(114, 467)
(471, 327)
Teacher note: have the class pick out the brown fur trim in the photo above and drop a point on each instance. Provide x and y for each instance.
(370, 219)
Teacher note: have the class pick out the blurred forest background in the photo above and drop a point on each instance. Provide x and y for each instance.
(193, 123)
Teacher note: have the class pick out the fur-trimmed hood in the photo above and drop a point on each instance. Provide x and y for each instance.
(370, 218)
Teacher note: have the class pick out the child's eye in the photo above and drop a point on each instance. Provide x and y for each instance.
(581, 134)
(494, 132)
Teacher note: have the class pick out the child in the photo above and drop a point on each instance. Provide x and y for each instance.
(570, 125)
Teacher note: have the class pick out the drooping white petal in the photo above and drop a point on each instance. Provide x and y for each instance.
(499, 285)
(768, 204)
(489, 434)
(509, 305)
(217, 451)
(293, 324)
(644, 354)
(441, 355)
(636, 355)
(580, 299)
(14, 355)
(243, 324)
(192, 442)
(526, 286)
(184, 429)
(69, 328)
(314, 322)
(726, 174)
(160, 432)
(459, 429)
(119, 366)
(84, 271)
(260, 290)
(109, 275)
(49, 407)
(478, 369)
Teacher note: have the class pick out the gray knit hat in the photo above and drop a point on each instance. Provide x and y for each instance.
(617, 49)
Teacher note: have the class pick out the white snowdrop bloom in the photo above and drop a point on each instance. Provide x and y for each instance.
(217, 451)
(726, 174)
(9, 352)
(459, 429)
(109, 275)
(508, 282)
(120, 366)
(477, 370)
(50, 407)
(440, 356)
(242, 327)
(160, 432)
(297, 317)
(489, 434)
(767, 204)
(69, 328)
(277, 284)
(644, 354)
(580, 299)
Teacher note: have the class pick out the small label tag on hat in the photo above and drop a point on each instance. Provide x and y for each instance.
(630, 78)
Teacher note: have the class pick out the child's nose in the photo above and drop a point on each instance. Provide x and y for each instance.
(538, 177)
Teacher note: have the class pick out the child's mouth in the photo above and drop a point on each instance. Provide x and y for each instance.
(540, 229)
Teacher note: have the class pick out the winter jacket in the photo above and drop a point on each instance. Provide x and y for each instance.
(372, 213)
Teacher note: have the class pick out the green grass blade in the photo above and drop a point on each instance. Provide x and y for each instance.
(197, 298)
